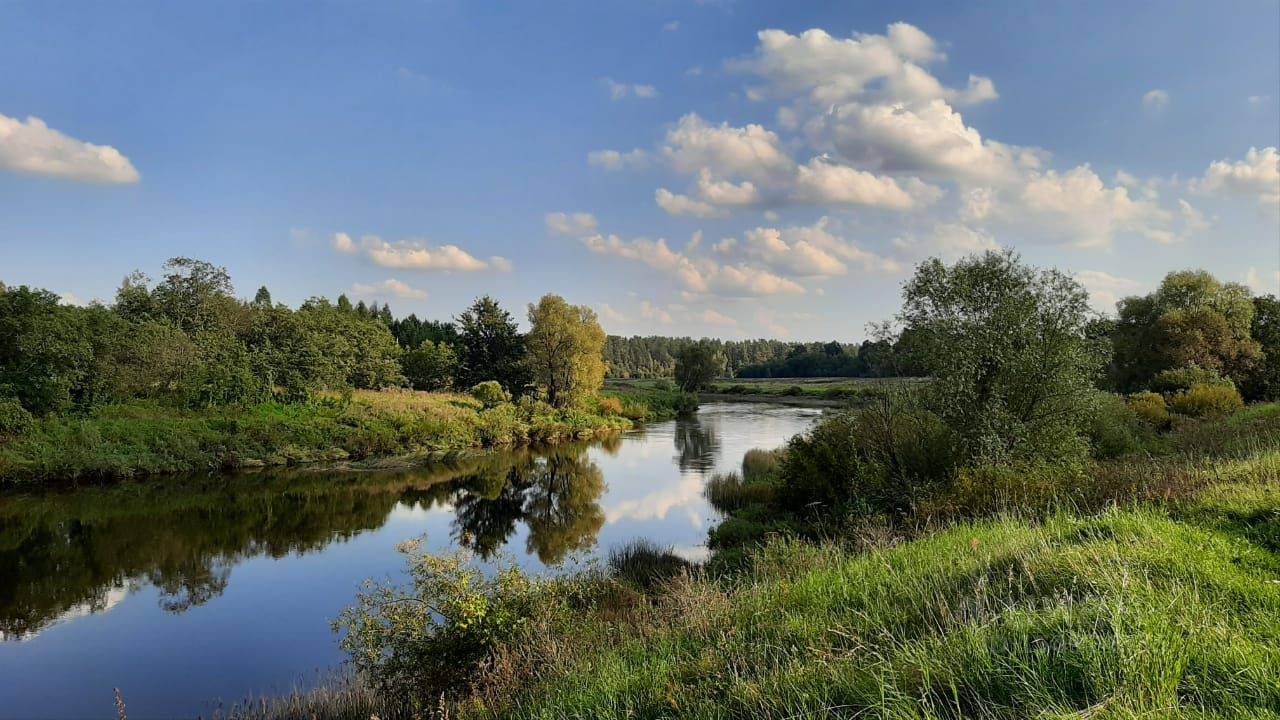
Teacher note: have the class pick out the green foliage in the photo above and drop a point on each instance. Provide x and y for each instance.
(884, 457)
(1201, 400)
(430, 366)
(490, 347)
(1263, 383)
(697, 365)
(431, 638)
(490, 393)
(1172, 381)
(564, 348)
(14, 419)
(1191, 319)
(44, 356)
(1116, 428)
(1151, 408)
(1011, 353)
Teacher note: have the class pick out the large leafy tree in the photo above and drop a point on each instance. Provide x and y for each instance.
(43, 353)
(430, 366)
(490, 347)
(1263, 383)
(564, 347)
(1191, 319)
(697, 365)
(1011, 353)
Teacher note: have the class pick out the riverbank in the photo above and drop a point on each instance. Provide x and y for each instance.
(811, 392)
(132, 440)
(1145, 585)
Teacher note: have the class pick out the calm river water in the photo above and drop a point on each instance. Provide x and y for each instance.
(191, 594)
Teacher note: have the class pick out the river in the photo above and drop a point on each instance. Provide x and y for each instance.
(191, 593)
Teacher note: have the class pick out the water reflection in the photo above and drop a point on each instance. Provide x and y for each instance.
(68, 554)
(697, 445)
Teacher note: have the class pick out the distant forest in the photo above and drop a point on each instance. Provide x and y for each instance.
(655, 357)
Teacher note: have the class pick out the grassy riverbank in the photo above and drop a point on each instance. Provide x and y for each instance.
(1147, 585)
(127, 440)
(818, 391)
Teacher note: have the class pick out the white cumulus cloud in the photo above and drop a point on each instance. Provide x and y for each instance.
(35, 148)
(388, 288)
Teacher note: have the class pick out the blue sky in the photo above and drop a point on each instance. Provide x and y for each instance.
(708, 168)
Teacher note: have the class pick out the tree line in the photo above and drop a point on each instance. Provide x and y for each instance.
(187, 340)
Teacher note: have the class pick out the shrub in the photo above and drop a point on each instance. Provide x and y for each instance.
(1201, 400)
(490, 393)
(432, 638)
(14, 419)
(609, 406)
(1116, 429)
(793, 390)
(1181, 379)
(1151, 408)
(880, 458)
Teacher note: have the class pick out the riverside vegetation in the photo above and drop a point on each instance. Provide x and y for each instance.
(179, 375)
(1005, 540)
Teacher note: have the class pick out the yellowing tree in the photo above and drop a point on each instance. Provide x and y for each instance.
(565, 350)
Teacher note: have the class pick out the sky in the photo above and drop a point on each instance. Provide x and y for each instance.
(708, 168)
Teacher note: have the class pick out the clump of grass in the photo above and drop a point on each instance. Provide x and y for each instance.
(645, 564)
(759, 464)
(341, 698)
(728, 491)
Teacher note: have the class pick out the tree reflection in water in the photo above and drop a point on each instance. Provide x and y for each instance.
(697, 445)
(69, 552)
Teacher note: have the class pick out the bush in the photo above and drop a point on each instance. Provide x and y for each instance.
(490, 393)
(1151, 408)
(880, 458)
(1201, 400)
(609, 406)
(432, 638)
(1116, 429)
(14, 419)
(1181, 379)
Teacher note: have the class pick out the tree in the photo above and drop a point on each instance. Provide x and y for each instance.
(1263, 383)
(1190, 320)
(565, 346)
(195, 295)
(430, 366)
(490, 347)
(43, 354)
(1011, 353)
(262, 299)
(697, 365)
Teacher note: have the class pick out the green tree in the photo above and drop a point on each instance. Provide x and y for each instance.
(1009, 348)
(1191, 319)
(565, 346)
(430, 366)
(1263, 383)
(196, 295)
(490, 347)
(43, 354)
(262, 299)
(697, 365)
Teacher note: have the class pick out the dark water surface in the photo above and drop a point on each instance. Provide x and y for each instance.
(188, 593)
